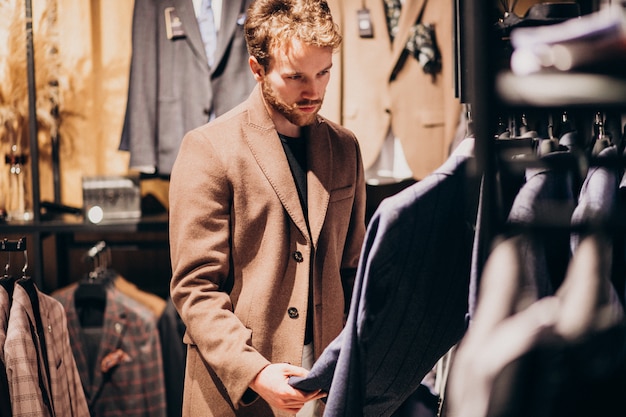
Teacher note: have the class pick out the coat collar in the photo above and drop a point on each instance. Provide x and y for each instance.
(265, 145)
(409, 15)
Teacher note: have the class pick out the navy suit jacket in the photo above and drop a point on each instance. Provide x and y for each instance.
(409, 301)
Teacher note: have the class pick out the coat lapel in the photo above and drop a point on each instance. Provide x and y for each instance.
(410, 13)
(113, 328)
(230, 19)
(74, 331)
(269, 154)
(318, 177)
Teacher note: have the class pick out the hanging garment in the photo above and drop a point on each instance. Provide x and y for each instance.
(171, 332)
(42, 374)
(597, 204)
(422, 112)
(561, 355)
(410, 296)
(171, 88)
(152, 301)
(126, 374)
(547, 195)
(6, 292)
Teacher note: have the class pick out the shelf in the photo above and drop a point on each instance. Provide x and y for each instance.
(561, 89)
(76, 224)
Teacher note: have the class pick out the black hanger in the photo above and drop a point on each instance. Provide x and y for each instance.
(90, 296)
(7, 280)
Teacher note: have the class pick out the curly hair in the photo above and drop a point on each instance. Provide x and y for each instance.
(271, 24)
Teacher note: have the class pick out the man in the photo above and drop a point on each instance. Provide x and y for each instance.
(267, 208)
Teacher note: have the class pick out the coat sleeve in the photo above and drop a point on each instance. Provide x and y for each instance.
(200, 203)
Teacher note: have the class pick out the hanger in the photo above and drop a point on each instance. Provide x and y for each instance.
(8, 280)
(602, 140)
(90, 296)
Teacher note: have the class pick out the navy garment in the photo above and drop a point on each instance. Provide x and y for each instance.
(409, 301)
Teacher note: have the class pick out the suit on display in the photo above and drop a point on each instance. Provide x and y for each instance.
(172, 89)
(119, 363)
(419, 107)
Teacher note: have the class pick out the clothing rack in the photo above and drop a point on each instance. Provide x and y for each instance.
(545, 369)
(7, 245)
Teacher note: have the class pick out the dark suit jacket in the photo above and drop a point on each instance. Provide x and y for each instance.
(410, 296)
(547, 197)
(171, 87)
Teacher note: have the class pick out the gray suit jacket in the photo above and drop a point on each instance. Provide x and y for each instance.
(171, 87)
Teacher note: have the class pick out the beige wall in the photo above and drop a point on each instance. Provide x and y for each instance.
(93, 40)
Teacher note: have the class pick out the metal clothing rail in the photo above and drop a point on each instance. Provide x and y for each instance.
(7, 245)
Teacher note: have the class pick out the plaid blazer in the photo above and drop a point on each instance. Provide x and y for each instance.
(134, 386)
(5, 306)
(42, 374)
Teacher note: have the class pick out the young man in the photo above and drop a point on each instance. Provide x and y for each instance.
(267, 208)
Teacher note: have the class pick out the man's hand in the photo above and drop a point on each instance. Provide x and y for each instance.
(271, 384)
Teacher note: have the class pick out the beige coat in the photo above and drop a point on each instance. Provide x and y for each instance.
(424, 113)
(241, 250)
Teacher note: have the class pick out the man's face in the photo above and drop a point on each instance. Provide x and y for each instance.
(296, 81)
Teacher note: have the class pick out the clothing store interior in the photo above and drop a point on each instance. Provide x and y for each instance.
(492, 137)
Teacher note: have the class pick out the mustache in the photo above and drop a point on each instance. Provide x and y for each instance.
(308, 103)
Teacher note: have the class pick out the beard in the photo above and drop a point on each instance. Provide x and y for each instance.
(290, 111)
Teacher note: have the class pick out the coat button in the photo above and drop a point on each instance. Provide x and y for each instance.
(297, 255)
(293, 313)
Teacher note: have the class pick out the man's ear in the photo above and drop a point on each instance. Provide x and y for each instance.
(257, 69)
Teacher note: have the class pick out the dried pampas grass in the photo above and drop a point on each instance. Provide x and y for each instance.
(52, 82)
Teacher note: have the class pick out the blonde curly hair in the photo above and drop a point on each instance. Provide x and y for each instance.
(270, 24)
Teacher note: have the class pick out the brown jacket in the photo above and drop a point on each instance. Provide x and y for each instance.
(423, 112)
(242, 251)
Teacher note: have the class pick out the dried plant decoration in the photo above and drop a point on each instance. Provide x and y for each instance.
(54, 85)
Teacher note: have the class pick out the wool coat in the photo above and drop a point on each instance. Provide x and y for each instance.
(244, 256)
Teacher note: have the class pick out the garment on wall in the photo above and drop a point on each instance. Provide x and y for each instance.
(117, 350)
(405, 120)
(409, 302)
(42, 375)
(172, 89)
